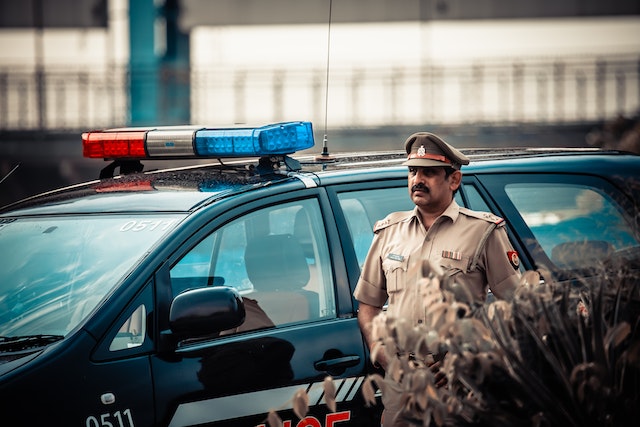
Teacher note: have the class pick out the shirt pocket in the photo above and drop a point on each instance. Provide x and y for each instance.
(454, 268)
(455, 271)
(395, 271)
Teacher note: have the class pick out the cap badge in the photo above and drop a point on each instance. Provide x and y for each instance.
(421, 151)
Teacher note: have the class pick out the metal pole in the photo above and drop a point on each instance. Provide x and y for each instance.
(39, 63)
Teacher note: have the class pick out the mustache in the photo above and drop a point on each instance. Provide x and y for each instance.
(420, 187)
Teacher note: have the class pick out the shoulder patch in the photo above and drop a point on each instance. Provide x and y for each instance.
(486, 216)
(392, 218)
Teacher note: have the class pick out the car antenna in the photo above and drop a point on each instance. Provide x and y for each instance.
(325, 156)
(10, 172)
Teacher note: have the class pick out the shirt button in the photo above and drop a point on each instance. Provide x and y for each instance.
(419, 320)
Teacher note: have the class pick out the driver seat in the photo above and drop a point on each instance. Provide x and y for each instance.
(278, 270)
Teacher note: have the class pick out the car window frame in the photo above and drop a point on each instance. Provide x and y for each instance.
(220, 255)
(226, 211)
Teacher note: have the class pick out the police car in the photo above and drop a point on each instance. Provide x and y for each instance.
(209, 295)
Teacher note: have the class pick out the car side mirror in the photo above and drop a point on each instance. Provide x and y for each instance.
(205, 311)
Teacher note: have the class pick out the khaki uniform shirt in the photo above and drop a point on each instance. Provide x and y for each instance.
(401, 243)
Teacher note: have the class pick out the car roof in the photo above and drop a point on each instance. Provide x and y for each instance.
(506, 160)
(185, 189)
(167, 190)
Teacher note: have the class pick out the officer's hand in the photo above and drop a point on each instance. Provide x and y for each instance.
(380, 360)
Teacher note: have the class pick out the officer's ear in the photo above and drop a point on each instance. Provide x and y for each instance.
(454, 179)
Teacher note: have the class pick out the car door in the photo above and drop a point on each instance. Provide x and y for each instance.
(282, 255)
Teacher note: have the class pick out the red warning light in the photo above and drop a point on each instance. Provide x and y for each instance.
(114, 144)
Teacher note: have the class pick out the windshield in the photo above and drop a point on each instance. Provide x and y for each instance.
(55, 270)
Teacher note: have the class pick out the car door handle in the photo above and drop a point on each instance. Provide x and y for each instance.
(341, 362)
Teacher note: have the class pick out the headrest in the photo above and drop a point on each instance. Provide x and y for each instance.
(580, 254)
(276, 262)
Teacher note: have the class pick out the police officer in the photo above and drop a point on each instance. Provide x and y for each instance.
(471, 247)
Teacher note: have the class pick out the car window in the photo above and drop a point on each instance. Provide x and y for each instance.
(276, 257)
(363, 208)
(132, 332)
(576, 225)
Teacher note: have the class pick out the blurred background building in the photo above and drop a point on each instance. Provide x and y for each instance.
(366, 72)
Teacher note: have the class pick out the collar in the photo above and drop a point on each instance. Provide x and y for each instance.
(452, 212)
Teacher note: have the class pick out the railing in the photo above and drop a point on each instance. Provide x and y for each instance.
(549, 91)
(62, 99)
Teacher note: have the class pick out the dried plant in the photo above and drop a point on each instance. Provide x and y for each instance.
(300, 403)
(554, 356)
(557, 355)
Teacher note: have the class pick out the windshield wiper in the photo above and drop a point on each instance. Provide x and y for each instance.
(27, 342)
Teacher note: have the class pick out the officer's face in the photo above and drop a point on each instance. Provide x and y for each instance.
(430, 188)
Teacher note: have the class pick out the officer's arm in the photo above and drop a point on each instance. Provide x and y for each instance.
(366, 313)
(502, 266)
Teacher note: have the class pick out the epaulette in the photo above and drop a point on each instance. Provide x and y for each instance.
(494, 222)
(487, 216)
(392, 218)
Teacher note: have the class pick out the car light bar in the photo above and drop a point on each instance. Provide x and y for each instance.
(174, 142)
